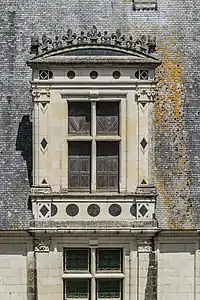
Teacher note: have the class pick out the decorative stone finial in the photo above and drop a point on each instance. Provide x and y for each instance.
(93, 37)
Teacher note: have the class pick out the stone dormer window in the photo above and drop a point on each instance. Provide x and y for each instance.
(145, 4)
(93, 95)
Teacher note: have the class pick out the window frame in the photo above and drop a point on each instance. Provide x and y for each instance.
(76, 271)
(120, 289)
(78, 279)
(109, 271)
(93, 274)
(120, 138)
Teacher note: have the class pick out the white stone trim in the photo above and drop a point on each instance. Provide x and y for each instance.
(123, 145)
(76, 275)
(109, 275)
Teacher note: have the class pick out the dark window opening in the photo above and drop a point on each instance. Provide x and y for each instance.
(79, 118)
(109, 288)
(76, 260)
(79, 156)
(77, 289)
(107, 118)
(109, 260)
(107, 166)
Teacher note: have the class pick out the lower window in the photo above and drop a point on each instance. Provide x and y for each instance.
(86, 284)
(109, 289)
(81, 289)
(77, 289)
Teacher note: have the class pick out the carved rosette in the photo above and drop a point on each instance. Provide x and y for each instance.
(41, 245)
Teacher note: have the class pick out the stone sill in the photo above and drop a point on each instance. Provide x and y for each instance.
(141, 191)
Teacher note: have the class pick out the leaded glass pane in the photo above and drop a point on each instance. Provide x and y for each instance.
(109, 260)
(79, 118)
(79, 165)
(107, 165)
(108, 118)
(76, 260)
(109, 288)
(77, 289)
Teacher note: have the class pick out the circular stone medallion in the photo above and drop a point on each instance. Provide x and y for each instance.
(116, 74)
(115, 210)
(93, 74)
(93, 210)
(54, 210)
(71, 74)
(133, 210)
(72, 210)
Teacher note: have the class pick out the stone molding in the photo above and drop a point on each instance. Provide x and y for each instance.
(93, 225)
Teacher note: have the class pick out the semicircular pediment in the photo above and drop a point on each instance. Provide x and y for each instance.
(93, 44)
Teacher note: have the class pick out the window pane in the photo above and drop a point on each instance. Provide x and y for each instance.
(109, 288)
(109, 260)
(77, 289)
(79, 118)
(107, 118)
(76, 260)
(79, 165)
(107, 165)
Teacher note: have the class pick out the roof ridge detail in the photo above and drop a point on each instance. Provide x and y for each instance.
(144, 44)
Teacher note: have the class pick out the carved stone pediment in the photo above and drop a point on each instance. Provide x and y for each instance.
(93, 45)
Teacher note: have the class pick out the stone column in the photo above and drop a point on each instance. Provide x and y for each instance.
(133, 271)
(144, 99)
(132, 147)
(147, 272)
(41, 99)
(197, 275)
(49, 272)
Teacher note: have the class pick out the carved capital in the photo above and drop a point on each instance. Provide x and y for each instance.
(144, 246)
(145, 95)
(41, 245)
(42, 95)
(94, 95)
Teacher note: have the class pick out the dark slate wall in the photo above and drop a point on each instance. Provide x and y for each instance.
(177, 113)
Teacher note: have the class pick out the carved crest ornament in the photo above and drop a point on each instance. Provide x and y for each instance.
(143, 43)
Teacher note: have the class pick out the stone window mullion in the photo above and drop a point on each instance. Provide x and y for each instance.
(93, 152)
(123, 150)
(93, 272)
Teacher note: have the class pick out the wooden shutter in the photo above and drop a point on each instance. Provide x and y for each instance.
(107, 118)
(107, 166)
(79, 165)
(79, 118)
